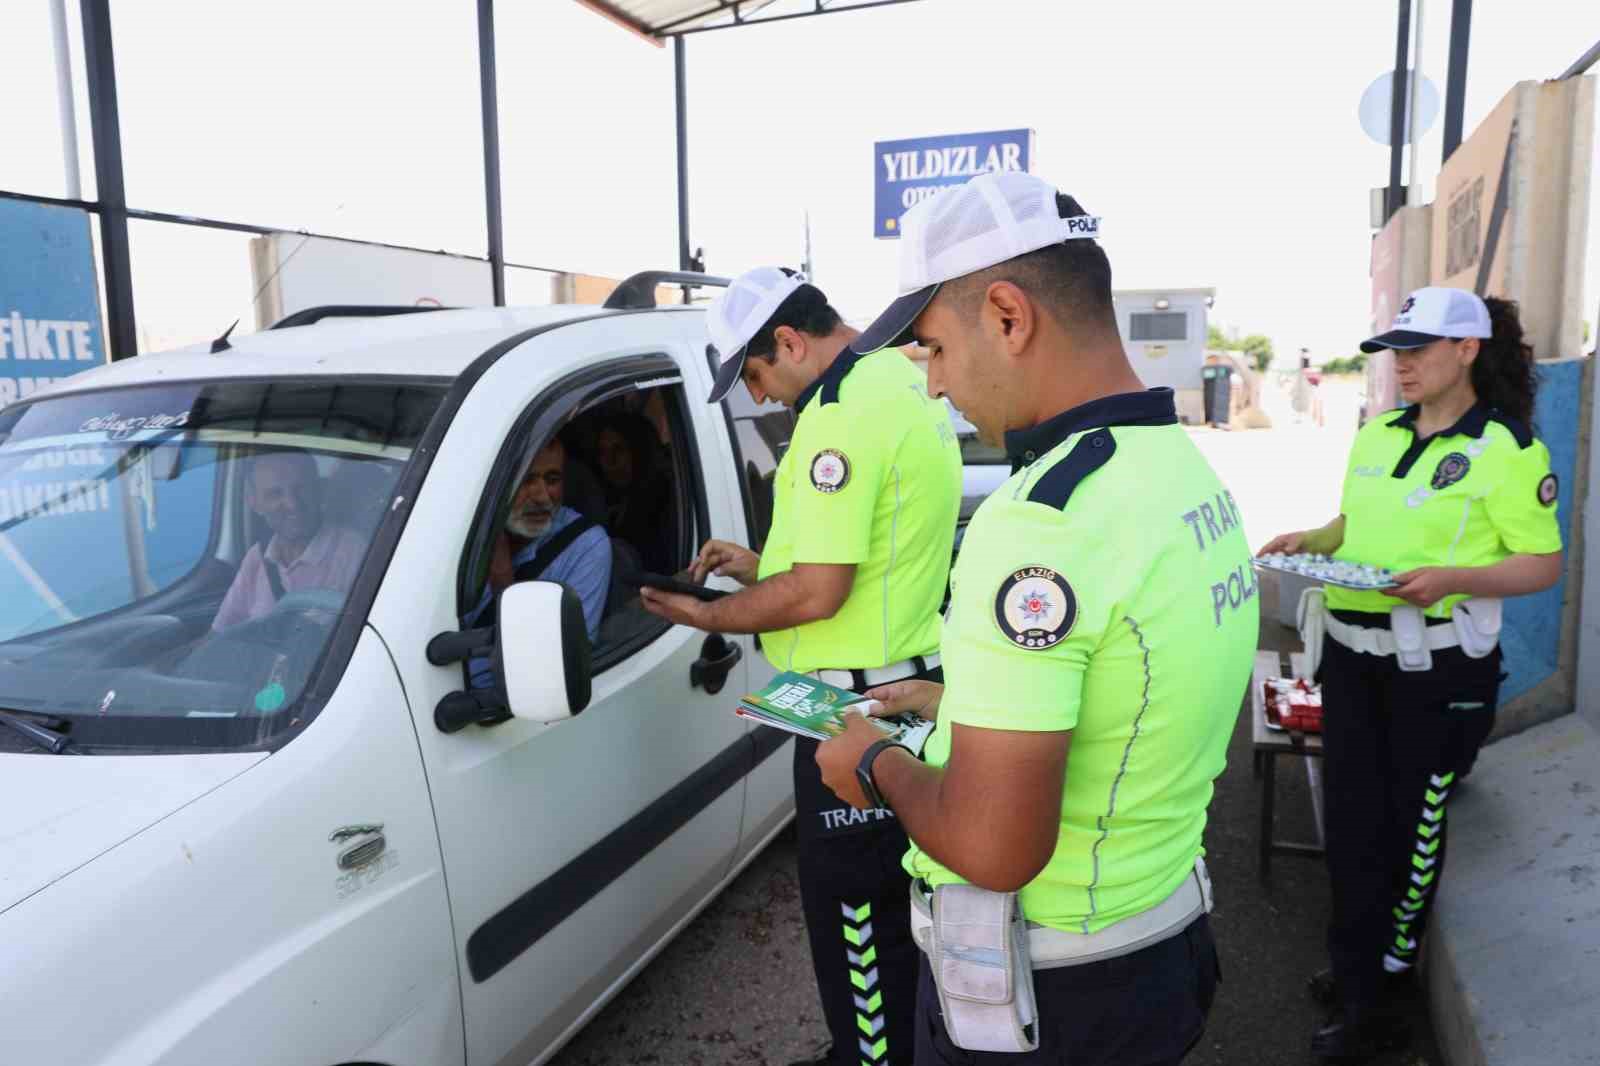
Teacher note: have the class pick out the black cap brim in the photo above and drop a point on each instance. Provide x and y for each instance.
(1399, 340)
(728, 375)
(893, 327)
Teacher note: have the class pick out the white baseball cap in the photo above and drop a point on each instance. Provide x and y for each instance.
(738, 315)
(1431, 313)
(966, 228)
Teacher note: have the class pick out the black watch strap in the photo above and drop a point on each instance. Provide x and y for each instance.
(864, 769)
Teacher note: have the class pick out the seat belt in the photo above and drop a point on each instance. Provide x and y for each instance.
(551, 549)
(274, 577)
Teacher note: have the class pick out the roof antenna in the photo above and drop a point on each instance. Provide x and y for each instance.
(221, 343)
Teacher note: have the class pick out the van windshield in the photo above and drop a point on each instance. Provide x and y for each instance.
(177, 557)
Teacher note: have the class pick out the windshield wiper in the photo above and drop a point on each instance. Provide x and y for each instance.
(41, 734)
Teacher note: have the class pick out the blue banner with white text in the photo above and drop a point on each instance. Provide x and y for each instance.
(49, 298)
(909, 171)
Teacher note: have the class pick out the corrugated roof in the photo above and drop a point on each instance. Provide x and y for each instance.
(658, 19)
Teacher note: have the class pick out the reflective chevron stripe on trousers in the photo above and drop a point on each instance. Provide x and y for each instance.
(1393, 746)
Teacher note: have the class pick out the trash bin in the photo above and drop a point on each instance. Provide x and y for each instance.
(1215, 386)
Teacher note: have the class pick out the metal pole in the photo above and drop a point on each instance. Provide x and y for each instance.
(490, 106)
(1585, 61)
(1413, 91)
(1455, 95)
(66, 104)
(1397, 111)
(680, 71)
(121, 332)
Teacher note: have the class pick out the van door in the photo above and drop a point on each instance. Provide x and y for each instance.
(759, 434)
(572, 849)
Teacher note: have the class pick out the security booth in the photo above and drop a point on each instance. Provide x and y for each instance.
(1164, 332)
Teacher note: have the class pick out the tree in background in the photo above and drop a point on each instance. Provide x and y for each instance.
(1256, 347)
(1355, 364)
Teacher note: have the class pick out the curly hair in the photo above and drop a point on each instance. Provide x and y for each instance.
(1502, 374)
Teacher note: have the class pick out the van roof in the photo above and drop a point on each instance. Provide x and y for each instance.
(438, 344)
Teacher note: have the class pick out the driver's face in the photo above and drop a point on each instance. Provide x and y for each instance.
(540, 495)
(284, 491)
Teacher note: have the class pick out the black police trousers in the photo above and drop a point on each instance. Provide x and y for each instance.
(857, 900)
(1394, 743)
(1144, 1009)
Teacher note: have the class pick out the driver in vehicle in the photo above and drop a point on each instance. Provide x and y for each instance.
(545, 541)
(305, 553)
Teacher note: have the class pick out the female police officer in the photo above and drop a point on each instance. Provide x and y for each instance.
(1456, 494)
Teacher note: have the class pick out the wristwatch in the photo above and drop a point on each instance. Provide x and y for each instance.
(864, 769)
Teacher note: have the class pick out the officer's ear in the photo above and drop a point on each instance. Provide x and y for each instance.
(1468, 351)
(1010, 316)
(788, 345)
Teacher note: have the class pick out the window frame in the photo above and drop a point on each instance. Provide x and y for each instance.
(555, 407)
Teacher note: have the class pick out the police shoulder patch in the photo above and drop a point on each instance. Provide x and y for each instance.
(830, 470)
(1035, 608)
(1549, 489)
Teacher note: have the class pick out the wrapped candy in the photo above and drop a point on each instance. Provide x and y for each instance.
(1330, 571)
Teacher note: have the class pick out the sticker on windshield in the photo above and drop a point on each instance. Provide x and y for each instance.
(116, 427)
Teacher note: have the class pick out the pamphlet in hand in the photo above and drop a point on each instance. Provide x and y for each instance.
(806, 707)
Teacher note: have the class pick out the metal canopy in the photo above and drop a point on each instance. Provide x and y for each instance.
(657, 20)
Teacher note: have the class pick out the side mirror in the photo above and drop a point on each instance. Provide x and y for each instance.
(541, 624)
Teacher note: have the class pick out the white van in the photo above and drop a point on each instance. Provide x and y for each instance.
(296, 836)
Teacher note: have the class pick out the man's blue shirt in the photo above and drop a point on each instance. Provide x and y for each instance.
(584, 566)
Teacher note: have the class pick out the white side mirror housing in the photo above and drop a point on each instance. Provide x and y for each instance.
(541, 651)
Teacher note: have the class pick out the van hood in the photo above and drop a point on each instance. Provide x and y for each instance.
(60, 812)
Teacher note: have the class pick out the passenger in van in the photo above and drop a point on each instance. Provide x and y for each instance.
(545, 541)
(637, 486)
(305, 553)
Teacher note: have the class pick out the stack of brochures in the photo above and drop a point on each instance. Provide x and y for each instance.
(804, 706)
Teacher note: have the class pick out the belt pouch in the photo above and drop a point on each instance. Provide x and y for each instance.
(1310, 613)
(1477, 623)
(1410, 631)
(981, 966)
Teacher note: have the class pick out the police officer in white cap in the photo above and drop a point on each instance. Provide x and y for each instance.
(847, 587)
(1101, 629)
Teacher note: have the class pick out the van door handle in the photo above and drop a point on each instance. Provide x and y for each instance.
(717, 659)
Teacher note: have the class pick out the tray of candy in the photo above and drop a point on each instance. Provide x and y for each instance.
(1328, 571)
(1292, 703)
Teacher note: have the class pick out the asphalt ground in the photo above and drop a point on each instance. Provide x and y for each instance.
(736, 986)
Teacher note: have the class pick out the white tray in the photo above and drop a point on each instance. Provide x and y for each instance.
(1262, 564)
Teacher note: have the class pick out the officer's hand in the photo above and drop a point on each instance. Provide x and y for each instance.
(1286, 544)
(920, 698)
(675, 607)
(725, 559)
(837, 758)
(1426, 586)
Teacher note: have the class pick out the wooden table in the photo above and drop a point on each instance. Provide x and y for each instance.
(1267, 744)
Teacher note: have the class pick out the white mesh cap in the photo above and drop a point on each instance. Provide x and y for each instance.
(966, 228)
(1431, 313)
(739, 313)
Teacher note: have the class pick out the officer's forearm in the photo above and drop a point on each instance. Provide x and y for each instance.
(1327, 539)
(781, 601)
(990, 848)
(1517, 576)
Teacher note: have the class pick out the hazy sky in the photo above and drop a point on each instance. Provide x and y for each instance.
(1219, 141)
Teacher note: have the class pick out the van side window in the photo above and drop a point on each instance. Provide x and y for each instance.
(760, 435)
(615, 490)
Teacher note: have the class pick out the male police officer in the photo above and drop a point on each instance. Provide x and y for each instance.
(847, 587)
(1100, 634)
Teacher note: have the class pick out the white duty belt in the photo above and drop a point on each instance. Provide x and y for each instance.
(878, 675)
(1381, 641)
(1053, 948)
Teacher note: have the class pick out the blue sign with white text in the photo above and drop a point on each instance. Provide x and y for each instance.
(908, 172)
(49, 298)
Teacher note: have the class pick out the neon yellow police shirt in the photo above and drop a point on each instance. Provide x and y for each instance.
(1105, 589)
(872, 477)
(1471, 495)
